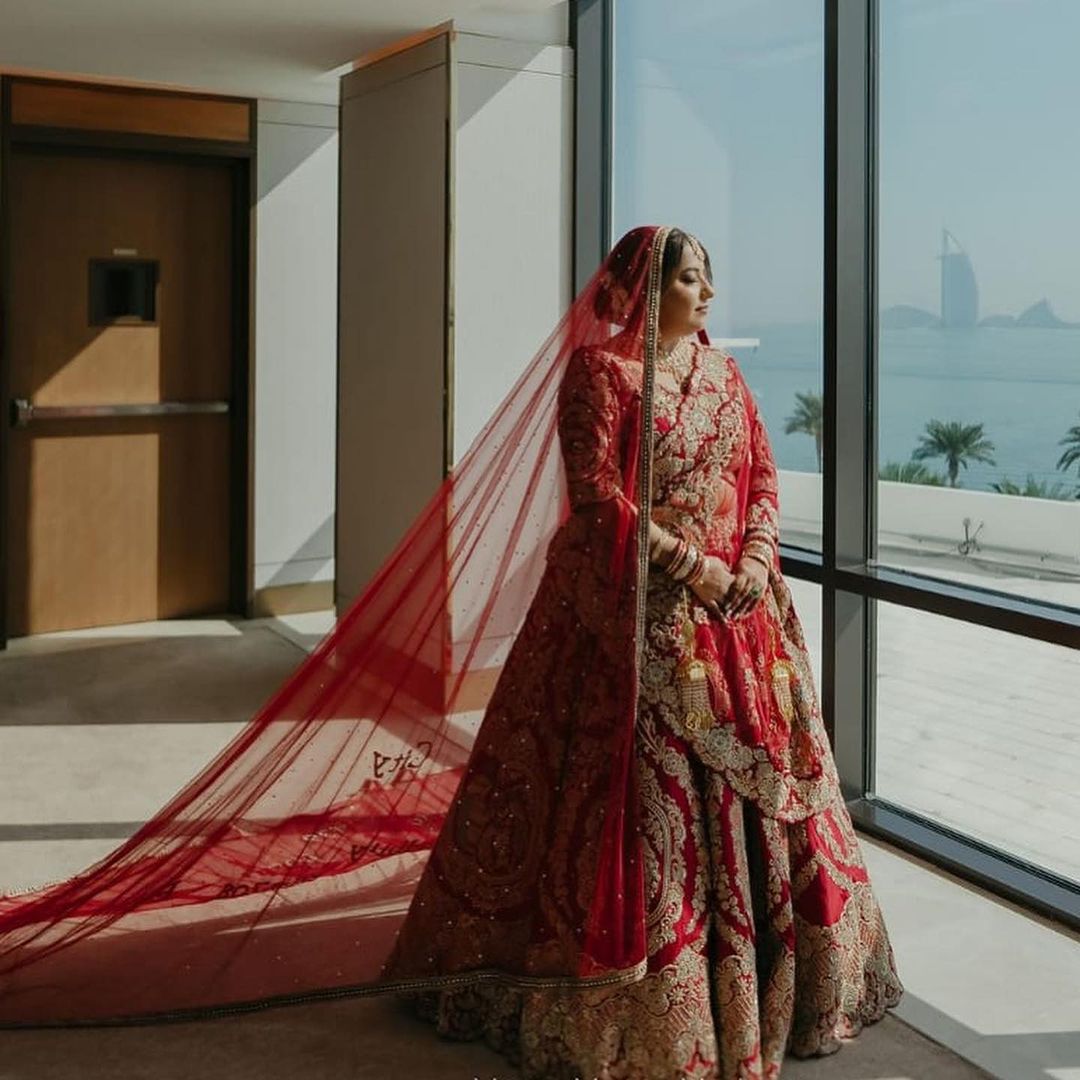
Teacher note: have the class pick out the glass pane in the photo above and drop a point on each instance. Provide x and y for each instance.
(122, 292)
(718, 123)
(976, 728)
(979, 342)
(806, 596)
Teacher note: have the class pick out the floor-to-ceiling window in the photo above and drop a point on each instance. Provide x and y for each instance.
(885, 190)
(978, 434)
(717, 128)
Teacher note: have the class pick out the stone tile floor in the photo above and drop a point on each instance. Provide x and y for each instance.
(98, 727)
(375, 1040)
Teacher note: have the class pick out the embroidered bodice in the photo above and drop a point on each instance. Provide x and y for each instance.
(703, 438)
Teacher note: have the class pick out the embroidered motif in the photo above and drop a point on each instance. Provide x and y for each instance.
(758, 906)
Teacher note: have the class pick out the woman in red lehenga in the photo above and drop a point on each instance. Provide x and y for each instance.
(558, 776)
(763, 934)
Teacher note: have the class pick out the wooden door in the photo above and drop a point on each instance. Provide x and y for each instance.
(120, 295)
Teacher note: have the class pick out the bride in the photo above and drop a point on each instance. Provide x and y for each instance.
(559, 776)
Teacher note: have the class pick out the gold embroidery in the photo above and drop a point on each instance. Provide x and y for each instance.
(782, 674)
(589, 422)
(692, 677)
(759, 911)
(774, 979)
(701, 441)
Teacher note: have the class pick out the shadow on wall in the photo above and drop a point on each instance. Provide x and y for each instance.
(279, 158)
(472, 97)
(319, 546)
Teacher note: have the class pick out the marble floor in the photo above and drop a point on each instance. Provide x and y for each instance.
(98, 727)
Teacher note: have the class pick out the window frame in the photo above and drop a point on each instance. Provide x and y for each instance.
(851, 582)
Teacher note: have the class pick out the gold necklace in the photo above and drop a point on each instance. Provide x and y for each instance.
(678, 361)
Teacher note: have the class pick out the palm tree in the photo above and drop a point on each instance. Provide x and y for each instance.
(957, 443)
(1034, 489)
(910, 472)
(807, 419)
(1071, 442)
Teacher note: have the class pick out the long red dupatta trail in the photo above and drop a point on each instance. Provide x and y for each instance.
(283, 871)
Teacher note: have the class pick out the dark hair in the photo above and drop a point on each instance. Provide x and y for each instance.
(624, 263)
(622, 267)
(676, 243)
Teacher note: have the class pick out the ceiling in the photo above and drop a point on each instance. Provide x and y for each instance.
(290, 50)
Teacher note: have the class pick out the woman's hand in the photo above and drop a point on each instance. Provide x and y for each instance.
(715, 582)
(748, 587)
(714, 585)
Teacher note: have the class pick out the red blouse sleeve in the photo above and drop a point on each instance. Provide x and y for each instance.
(590, 418)
(593, 555)
(761, 533)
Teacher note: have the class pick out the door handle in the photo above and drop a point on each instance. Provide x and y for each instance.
(23, 412)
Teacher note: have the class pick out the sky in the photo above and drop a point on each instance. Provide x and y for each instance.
(719, 125)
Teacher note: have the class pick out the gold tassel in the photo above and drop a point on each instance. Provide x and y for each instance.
(692, 679)
(783, 671)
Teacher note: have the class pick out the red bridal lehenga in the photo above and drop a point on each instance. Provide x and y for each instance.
(496, 787)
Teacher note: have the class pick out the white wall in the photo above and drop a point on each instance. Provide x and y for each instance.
(548, 24)
(295, 343)
(513, 190)
(512, 235)
(1015, 530)
(393, 304)
(1048, 529)
(513, 216)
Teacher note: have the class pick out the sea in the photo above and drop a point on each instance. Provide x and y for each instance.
(1022, 385)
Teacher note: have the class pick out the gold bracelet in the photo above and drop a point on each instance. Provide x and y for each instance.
(677, 558)
(687, 564)
(756, 556)
(699, 571)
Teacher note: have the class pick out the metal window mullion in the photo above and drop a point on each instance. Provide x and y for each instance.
(849, 661)
(853, 584)
(1040, 620)
(990, 868)
(5, 342)
(591, 36)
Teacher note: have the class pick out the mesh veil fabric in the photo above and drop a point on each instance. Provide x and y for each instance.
(284, 870)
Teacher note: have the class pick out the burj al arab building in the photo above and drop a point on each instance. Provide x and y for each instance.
(959, 291)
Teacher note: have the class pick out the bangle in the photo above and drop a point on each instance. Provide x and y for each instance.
(687, 565)
(694, 567)
(678, 559)
(757, 556)
(699, 571)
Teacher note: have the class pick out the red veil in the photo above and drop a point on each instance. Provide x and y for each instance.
(285, 869)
